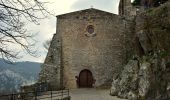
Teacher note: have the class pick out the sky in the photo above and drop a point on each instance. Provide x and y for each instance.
(47, 26)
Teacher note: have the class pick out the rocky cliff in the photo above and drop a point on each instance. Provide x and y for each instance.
(146, 75)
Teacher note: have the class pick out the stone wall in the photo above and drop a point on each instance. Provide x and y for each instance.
(126, 8)
(100, 52)
(51, 69)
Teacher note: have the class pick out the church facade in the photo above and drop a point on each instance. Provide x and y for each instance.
(87, 50)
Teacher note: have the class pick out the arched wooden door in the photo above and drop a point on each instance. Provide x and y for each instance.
(85, 79)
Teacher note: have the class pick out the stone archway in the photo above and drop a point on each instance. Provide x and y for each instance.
(85, 79)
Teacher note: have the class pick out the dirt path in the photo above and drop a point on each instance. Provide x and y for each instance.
(91, 94)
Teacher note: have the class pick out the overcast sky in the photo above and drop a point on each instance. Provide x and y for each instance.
(47, 27)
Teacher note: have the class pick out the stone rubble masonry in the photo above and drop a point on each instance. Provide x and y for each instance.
(73, 49)
(51, 68)
(126, 8)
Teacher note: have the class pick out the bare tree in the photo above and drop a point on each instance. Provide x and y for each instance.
(13, 34)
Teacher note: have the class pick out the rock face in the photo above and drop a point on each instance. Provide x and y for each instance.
(127, 82)
(146, 76)
(144, 41)
(152, 80)
(142, 80)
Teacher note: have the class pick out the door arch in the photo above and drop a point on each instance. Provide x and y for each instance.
(85, 79)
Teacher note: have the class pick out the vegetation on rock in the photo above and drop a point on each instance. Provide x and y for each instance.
(146, 77)
(155, 3)
(157, 25)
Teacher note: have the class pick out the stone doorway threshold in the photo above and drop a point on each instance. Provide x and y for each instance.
(92, 94)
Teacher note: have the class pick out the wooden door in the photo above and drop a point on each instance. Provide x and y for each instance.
(85, 79)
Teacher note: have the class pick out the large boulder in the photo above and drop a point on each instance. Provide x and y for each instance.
(143, 79)
(126, 84)
(144, 41)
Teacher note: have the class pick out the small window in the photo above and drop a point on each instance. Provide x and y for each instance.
(90, 29)
(77, 17)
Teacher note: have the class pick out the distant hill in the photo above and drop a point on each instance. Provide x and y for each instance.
(12, 76)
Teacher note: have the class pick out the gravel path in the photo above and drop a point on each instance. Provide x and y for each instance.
(84, 94)
(91, 94)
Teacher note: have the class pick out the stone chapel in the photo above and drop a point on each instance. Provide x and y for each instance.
(88, 48)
